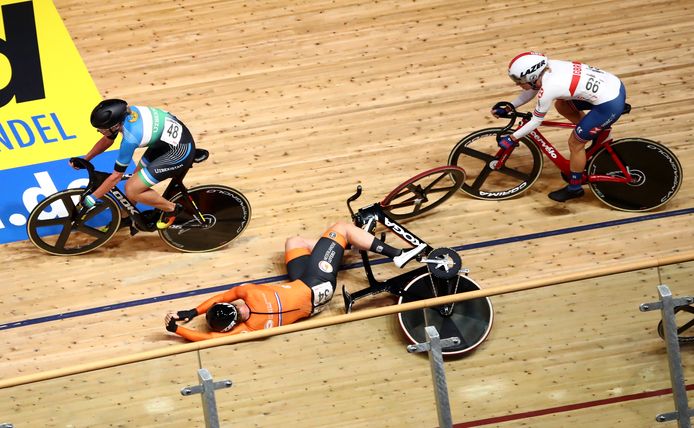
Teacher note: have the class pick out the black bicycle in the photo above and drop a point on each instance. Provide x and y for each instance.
(441, 275)
(213, 216)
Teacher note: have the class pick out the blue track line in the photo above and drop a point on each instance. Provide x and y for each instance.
(220, 288)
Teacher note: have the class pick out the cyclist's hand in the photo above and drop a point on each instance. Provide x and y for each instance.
(170, 322)
(186, 315)
(72, 164)
(90, 201)
(506, 142)
(500, 112)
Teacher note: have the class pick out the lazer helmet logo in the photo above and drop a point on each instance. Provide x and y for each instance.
(533, 69)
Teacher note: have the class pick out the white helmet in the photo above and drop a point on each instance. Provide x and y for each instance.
(527, 67)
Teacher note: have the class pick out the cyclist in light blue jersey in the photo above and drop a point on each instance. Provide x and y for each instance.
(170, 151)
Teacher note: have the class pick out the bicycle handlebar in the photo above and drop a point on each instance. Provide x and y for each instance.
(510, 113)
(353, 198)
(81, 163)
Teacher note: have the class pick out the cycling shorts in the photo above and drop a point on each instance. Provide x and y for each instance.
(163, 160)
(601, 116)
(318, 268)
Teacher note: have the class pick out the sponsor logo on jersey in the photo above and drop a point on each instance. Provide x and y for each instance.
(325, 266)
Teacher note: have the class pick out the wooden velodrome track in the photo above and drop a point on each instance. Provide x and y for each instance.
(298, 102)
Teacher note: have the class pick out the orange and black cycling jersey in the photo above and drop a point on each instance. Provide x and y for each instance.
(313, 275)
(281, 304)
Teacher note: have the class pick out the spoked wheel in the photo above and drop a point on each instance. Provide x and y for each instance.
(656, 171)
(423, 192)
(226, 211)
(687, 316)
(476, 154)
(469, 320)
(51, 226)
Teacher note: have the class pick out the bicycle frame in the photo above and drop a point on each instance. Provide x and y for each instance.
(368, 218)
(141, 223)
(559, 160)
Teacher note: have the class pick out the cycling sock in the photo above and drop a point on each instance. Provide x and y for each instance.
(575, 180)
(380, 247)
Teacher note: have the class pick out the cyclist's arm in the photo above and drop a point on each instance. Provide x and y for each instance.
(99, 147)
(194, 335)
(524, 97)
(226, 297)
(108, 184)
(544, 102)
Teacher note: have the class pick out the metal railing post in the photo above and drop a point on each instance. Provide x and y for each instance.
(206, 390)
(667, 304)
(434, 346)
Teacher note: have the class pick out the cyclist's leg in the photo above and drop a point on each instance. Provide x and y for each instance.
(590, 126)
(160, 162)
(297, 251)
(363, 240)
(570, 110)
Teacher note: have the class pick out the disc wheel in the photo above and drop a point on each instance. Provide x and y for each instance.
(656, 173)
(469, 320)
(226, 211)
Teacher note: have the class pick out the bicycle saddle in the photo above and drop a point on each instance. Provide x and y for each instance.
(201, 155)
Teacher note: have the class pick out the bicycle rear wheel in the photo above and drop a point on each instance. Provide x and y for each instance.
(226, 211)
(656, 171)
(469, 320)
(423, 192)
(476, 154)
(51, 226)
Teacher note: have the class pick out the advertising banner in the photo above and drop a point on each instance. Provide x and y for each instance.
(46, 97)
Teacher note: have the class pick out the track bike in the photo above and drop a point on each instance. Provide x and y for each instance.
(441, 274)
(213, 215)
(629, 174)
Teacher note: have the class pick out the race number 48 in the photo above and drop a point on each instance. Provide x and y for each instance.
(172, 132)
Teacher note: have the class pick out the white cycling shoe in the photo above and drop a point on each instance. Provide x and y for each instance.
(406, 256)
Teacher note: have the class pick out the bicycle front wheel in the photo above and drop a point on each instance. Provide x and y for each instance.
(227, 213)
(469, 320)
(51, 226)
(655, 169)
(423, 192)
(476, 154)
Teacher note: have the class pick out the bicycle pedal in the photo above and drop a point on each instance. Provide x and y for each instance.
(133, 230)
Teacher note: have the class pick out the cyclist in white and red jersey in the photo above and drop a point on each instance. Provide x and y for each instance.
(573, 87)
(170, 151)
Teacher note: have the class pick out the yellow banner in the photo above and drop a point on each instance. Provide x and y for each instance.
(46, 92)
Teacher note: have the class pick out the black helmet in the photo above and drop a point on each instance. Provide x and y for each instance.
(222, 317)
(109, 113)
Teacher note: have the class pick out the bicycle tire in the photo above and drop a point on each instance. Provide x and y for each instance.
(657, 171)
(470, 320)
(227, 210)
(680, 329)
(50, 226)
(476, 154)
(411, 198)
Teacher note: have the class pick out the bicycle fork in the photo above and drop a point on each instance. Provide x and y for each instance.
(501, 157)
